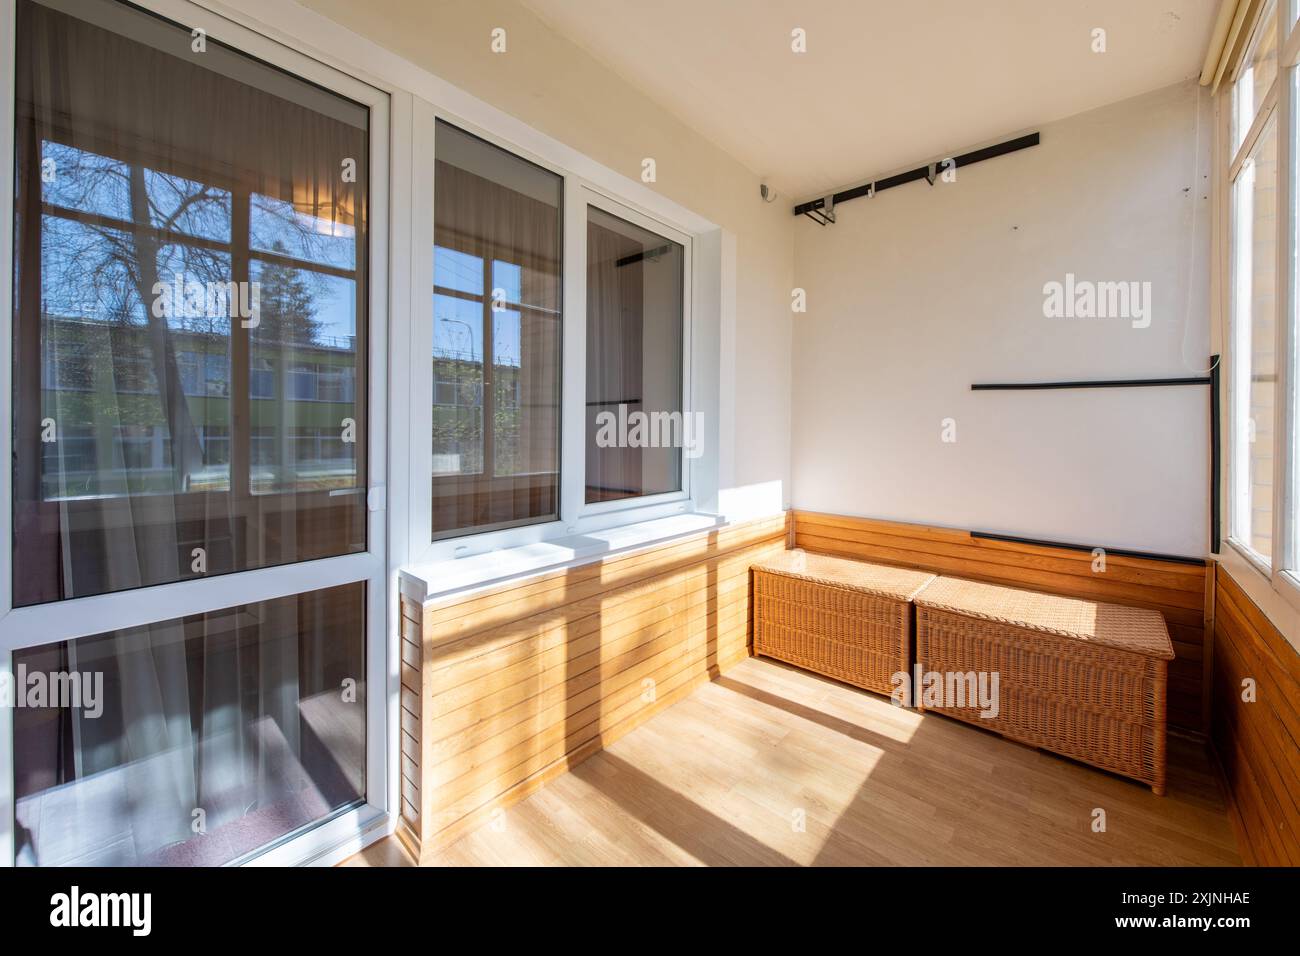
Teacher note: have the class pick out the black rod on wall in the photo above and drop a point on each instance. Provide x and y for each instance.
(813, 208)
(1097, 383)
(1214, 455)
(1211, 380)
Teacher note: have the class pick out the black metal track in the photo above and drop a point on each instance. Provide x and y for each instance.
(1215, 438)
(921, 172)
(638, 256)
(1122, 552)
(1099, 383)
(1211, 380)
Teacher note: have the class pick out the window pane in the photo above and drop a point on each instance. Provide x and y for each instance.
(1255, 365)
(634, 360)
(282, 228)
(194, 741)
(457, 271)
(457, 385)
(186, 236)
(307, 327)
(1258, 70)
(496, 337)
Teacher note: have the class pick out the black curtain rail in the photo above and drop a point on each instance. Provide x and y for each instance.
(652, 254)
(1100, 383)
(1216, 437)
(813, 208)
(1118, 552)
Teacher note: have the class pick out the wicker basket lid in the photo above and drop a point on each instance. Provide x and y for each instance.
(900, 584)
(1138, 630)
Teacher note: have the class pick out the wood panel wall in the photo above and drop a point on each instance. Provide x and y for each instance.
(1178, 591)
(506, 688)
(1258, 744)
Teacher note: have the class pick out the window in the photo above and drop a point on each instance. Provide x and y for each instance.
(497, 336)
(261, 378)
(559, 397)
(1255, 367)
(634, 360)
(1253, 237)
(184, 231)
(1264, 337)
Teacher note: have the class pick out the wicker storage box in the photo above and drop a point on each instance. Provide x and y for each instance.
(844, 619)
(1083, 679)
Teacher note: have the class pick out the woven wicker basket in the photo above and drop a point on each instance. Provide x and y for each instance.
(1079, 678)
(844, 619)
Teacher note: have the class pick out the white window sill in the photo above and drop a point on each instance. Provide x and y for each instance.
(1253, 559)
(427, 582)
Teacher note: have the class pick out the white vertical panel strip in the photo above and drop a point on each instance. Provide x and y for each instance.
(400, 369)
(418, 402)
(1284, 405)
(8, 25)
(573, 389)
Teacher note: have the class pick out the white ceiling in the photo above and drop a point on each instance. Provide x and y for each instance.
(884, 83)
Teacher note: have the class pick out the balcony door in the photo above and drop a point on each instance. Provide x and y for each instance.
(192, 608)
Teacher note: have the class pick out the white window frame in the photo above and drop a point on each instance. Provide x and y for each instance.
(1285, 571)
(1239, 385)
(576, 517)
(1274, 582)
(81, 617)
(575, 380)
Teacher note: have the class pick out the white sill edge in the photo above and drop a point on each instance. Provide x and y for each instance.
(1255, 561)
(429, 582)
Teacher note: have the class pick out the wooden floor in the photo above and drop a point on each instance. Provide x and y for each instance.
(768, 765)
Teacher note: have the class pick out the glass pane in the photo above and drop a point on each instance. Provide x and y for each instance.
(635, 426)
(457, 386)
(1258, 70)
(281, 227)
(189, 343)
(308, 329)
(496, 337)
(1254, 318)
(457, 271)
(191, 742)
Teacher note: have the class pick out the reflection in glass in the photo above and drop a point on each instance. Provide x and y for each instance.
(496, 337)
(189, 344)
(194, 741)
(303, 386)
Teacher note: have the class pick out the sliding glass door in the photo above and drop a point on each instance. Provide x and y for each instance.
(195, 624)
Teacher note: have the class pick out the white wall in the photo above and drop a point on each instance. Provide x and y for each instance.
(920, 291)
(557, 88)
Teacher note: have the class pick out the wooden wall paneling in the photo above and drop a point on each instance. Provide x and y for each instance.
(1257, 743)
(519, 682)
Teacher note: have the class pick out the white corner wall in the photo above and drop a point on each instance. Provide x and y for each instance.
(554, 86)
(920, 291)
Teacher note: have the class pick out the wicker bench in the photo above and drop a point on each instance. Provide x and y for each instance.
(1079, 678)
(844, 619)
